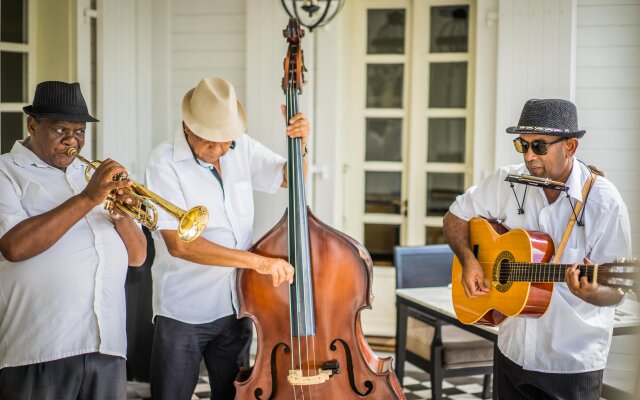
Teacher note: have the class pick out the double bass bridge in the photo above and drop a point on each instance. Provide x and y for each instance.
(296, 376)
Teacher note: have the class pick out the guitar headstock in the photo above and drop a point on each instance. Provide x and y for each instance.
(623, 274)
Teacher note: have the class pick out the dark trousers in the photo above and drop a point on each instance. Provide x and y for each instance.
(516, 383)
(91, 376)
(178, 349)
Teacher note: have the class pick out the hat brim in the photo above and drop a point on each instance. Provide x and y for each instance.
(59, 116)
(214, 134)
(576, 134)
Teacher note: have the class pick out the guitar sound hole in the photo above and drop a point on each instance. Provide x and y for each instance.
(504, 272)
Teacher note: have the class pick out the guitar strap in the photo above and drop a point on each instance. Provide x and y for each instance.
(572, 220)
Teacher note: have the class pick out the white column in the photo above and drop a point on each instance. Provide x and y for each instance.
(536, 59)
(124, 40)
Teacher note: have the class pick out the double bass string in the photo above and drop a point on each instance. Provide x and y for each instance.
(295, 185)
(293, 257)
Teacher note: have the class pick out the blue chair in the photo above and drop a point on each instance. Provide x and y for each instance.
(433, 345)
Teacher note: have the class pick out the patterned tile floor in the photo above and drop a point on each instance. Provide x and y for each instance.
(416, 386)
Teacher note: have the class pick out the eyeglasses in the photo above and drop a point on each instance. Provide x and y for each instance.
(539, 147)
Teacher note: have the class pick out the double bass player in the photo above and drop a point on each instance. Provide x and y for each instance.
(210, 161)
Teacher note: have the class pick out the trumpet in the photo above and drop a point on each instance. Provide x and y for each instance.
(192, 222)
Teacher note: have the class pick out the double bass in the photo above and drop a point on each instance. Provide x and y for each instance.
(309, 334)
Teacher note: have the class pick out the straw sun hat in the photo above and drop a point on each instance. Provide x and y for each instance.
(212, 111)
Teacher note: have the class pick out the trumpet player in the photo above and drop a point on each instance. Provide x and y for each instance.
(63, 260)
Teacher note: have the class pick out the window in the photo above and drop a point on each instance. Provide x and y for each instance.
(16, 72)
(412, 120)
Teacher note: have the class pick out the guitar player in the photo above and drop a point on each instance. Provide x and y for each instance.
(562, 354)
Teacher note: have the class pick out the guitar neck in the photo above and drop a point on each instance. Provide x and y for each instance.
(543, 272)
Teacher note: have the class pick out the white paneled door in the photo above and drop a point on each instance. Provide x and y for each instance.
(410, 128)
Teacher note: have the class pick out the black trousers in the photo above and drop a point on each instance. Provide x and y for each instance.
(178, 349)
(516, 383)
(92, 376)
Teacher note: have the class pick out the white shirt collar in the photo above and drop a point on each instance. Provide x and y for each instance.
(181, 149)
(575, 180)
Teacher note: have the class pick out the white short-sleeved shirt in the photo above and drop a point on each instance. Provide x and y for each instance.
(187, 291)
(68, 300)
(573, 335)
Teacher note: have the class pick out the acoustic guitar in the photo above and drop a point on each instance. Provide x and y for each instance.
(516, 263)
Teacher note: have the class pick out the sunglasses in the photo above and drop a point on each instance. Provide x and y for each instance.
(539, 147)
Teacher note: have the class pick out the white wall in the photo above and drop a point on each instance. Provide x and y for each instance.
(608, 101)
(208, 38)
(608, 95)
(535, 60)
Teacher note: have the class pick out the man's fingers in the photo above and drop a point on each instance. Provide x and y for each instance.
(289, 273)
(572, 276)
(297, 117)
(115, 185)
(470, 289)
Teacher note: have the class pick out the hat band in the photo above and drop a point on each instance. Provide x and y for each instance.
(540, 128)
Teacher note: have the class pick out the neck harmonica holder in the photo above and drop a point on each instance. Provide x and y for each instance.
(544, 183)
(529, 180)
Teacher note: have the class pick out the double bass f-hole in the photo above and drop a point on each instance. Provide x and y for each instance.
(309, 335)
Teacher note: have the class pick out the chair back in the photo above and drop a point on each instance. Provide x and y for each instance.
(423, 266)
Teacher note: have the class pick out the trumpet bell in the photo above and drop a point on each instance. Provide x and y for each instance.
(192, 223)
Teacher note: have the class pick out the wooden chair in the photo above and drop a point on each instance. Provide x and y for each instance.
(433, 345)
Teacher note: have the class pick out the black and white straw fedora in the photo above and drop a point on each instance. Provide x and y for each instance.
(60, 101)
(553, 117)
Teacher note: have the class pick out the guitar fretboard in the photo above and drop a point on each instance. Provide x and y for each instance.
(541, 272)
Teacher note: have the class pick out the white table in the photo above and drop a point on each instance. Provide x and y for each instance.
(437, 303)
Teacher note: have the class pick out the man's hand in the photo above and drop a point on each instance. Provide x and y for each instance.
(298, 126)
(580, 286)
(598, 295)
(123, 197)
(102, 183)
(473, 280)
(279, 269)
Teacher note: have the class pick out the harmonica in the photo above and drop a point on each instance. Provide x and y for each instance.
(535, 181)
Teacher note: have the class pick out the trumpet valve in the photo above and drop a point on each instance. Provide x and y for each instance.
(108, 203)
(122, 176)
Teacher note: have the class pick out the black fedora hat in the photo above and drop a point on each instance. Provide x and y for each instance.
(60, 101)
(553, 117)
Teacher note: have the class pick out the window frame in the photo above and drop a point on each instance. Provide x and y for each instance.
(29, 49)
